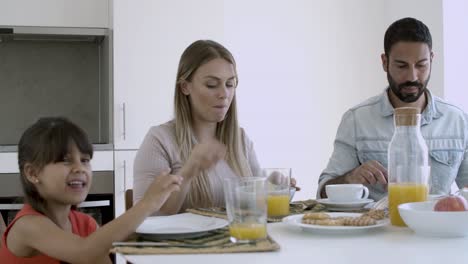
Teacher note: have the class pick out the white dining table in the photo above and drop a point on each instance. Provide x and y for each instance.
(388, 244)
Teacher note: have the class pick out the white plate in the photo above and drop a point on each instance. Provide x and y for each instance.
(343, 206)
(178, 226)
(296, 221)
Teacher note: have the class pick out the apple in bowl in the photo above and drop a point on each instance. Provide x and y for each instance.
(424, 220)
(451, 203)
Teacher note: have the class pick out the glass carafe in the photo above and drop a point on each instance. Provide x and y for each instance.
(408, 167)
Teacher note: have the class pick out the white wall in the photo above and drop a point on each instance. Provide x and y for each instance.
(301, 65)
(456, 57)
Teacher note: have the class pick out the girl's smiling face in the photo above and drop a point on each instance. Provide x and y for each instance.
(66, 181)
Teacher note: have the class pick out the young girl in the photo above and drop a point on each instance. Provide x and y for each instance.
(54, 161)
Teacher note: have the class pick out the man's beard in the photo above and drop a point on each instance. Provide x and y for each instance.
(407, 98)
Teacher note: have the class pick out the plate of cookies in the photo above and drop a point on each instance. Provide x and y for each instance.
(320, 222)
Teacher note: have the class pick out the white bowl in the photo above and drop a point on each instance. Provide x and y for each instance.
(422, 218)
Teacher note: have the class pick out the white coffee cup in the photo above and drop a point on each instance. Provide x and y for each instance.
(343, 193)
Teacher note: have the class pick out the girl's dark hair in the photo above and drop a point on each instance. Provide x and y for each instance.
(47, 141)
(406, 29)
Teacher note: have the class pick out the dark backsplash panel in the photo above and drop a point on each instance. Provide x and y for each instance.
(53, 78)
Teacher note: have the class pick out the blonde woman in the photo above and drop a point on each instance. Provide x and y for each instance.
(204, 142)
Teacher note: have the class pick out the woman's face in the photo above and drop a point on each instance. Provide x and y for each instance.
(211, 90)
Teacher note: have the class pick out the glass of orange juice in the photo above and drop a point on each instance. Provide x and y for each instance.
(278, 184)
(246, 207)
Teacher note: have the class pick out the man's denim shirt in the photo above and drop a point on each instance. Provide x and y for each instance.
(366, 130)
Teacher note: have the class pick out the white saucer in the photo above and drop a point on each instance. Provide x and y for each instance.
(346, 206)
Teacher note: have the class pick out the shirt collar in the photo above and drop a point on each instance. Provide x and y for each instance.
(429, 113)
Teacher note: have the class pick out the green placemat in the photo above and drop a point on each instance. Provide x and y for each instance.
(299, 207)
(216, 241)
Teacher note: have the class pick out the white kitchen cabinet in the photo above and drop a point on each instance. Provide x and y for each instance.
(55, 13)
(123, 177)
(123, 180)
(9, 162)
(146, 56)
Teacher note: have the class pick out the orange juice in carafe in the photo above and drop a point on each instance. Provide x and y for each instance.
(408, 162)
(399, 193)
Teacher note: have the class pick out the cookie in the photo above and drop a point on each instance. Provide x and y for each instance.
(316, 216)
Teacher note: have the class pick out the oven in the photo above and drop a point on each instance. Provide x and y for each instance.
(99, 203)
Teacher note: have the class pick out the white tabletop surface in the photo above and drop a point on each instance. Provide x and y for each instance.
(392, 245)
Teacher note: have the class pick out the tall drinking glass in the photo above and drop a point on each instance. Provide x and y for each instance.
(278, 181)
(246, 207)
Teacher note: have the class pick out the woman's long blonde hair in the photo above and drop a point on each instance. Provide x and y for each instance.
(227, 131)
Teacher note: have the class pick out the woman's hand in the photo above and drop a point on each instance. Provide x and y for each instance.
(204, 156)
(293, 184)
(277, 177)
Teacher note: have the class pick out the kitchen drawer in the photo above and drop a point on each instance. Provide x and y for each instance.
(102, 161)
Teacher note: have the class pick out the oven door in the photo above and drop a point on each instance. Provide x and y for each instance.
(99, 206)
(99, 203)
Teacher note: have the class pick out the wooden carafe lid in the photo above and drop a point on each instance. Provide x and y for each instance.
(407, 116)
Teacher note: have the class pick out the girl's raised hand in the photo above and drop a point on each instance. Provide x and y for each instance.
(161, 188)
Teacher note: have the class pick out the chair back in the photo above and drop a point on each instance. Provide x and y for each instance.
(2, 228)
(128, 199)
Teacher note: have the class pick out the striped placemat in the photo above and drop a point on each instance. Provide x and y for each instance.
(216, 241)
(299, 207)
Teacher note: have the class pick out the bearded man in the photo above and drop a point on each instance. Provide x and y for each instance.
(360, 147)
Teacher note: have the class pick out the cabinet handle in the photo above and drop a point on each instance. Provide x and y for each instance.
(124, 133)
(11, 207)
(88, 204)
(125, 174)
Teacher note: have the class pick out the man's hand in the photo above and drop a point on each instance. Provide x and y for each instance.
(371, 172)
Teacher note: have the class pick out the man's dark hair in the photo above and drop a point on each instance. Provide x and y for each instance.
(406, 29)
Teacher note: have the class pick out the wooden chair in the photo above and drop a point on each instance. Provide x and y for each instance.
(2, 227)
(128, 199)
